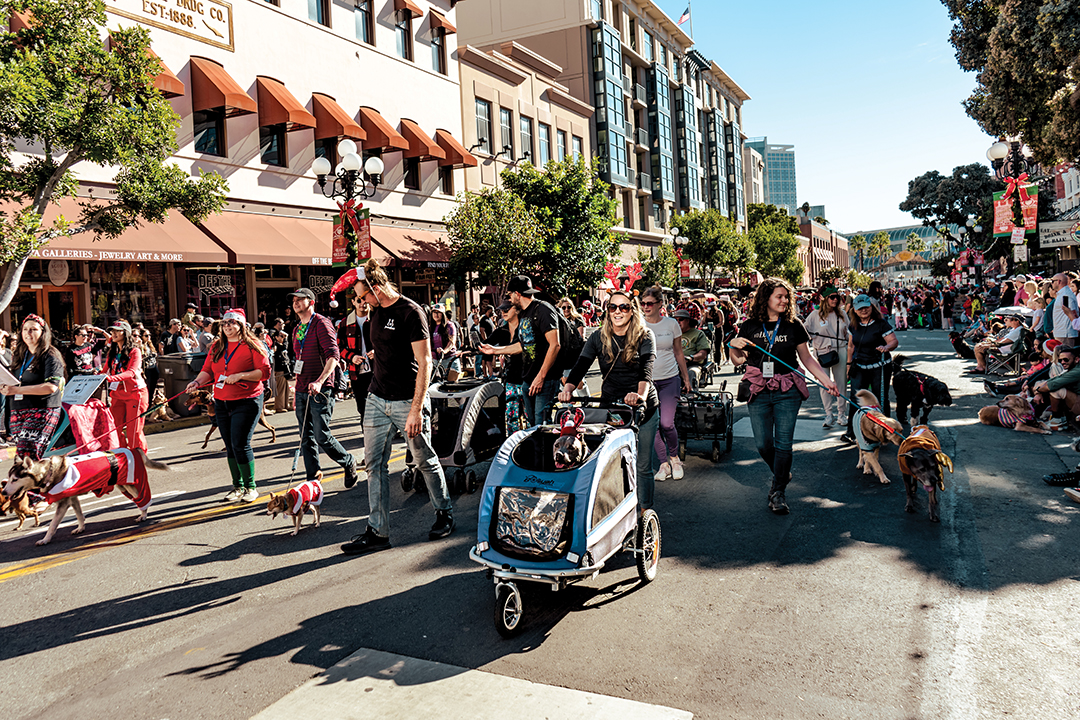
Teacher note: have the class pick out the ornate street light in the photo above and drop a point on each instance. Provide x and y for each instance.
(348, 182)
(1010, 158)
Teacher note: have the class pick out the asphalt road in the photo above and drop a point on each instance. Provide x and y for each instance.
(846, 608)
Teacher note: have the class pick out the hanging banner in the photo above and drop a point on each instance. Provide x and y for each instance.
(339, 255)
(363, 236)
(1004, 218)
(684, 268)
(362, 232)
(980, 259)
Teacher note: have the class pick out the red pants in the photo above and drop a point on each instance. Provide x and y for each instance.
(127, 411)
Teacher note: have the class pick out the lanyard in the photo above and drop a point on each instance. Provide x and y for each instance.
(26, 363)
(230, 355)
(301, 337)
(771, 338)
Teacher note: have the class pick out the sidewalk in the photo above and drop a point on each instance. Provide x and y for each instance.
(374, 684)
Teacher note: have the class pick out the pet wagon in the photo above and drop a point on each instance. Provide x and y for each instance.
(706, 415)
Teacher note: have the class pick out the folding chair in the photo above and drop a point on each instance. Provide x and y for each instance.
(1011, 364)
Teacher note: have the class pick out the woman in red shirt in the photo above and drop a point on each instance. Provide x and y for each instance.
(128, 397)
(236, 364)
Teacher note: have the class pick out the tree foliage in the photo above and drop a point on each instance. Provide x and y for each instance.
(713, 242)
(940, 200)
(915, 243)
(880, 246)
(493, 236)
(570, 201)
(858, 280)
(834, 273)
(774, 236)
(662, 270)
(71, 99)
(857, 245)
(1026, 56)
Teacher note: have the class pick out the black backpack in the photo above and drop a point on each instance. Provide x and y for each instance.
(570, 343)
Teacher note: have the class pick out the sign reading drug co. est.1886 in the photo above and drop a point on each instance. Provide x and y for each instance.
(209, 21)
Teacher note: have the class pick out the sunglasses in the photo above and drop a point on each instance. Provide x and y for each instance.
(834, 297)
(649, 303)
(622, 307)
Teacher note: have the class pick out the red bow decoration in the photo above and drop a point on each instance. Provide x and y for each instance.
(1019, 183)
(349, 210)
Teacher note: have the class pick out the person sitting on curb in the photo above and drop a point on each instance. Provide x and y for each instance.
(1062, 391)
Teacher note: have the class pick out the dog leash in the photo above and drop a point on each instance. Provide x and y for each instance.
(300, 445)
(814, 380)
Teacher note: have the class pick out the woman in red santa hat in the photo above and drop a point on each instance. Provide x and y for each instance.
(237, 364)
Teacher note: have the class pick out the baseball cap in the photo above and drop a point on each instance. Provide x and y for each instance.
(505, 305)
(304, 293)
(193, 306)
(863, 301)
(521, 284)
(119, 325)
(682, 313)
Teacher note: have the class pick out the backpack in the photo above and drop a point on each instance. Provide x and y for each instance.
(570, 343)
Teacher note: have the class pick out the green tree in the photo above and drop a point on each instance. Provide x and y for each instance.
(572, 204)
(663, 269)
(879, 246)
(915, 243)
(713, 242)
(757, 213)
(493, 236)
(77, 103)
(775, 239)
(857, 245)
(1026, 56)
(858, 280)
(832, 274)
(941, 200)
(821, 221)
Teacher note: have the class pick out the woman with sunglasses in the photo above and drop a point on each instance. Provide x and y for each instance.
(84, 355)
(354, 339)
(828, 328)
(513, 368)
(625, 348)
(128, 398)
(35, 401)
(237, 364)
(444, 343)
(670, 373)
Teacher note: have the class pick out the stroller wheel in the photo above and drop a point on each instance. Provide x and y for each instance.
(682, 450)
(508, 609)
(648, 546)
(472, 483)
(459, 481)
(406, 479)
(716, 451)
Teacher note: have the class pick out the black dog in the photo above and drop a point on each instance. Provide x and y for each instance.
(961, 347)
(918, 390)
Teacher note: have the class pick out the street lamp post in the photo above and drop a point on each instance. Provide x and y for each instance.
(678, 253)
(348, 182)
(1011, 159)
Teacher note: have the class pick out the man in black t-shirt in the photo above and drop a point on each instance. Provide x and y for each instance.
(397, 400)
(168, 342)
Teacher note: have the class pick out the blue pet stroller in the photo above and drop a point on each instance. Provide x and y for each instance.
(539, 524)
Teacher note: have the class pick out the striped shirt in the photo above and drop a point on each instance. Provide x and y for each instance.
(318, 344)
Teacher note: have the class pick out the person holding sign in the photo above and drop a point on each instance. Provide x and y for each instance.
(237, 364)
(37, 389)
(776, 389)
(128, 397)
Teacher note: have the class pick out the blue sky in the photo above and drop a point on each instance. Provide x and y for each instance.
(868, 92)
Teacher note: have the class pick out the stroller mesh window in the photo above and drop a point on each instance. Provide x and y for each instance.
(610, 491)
(532, 524)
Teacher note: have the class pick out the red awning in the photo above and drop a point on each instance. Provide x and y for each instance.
(420, 145)
(456, 154)
(166, 80)
(410, 6)
(332, 121)
(380, 134)
(277, 106)
(409, 247)
(212, 87)
(438, 21)
(272, 239)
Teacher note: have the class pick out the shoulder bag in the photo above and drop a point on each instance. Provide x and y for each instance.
(832, 357)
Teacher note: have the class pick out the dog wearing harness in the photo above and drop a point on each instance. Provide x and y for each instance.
(875, 430)
(919, 391)
(921, 459)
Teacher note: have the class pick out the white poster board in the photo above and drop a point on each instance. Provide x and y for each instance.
(81, 388)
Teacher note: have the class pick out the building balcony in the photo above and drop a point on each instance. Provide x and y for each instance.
(644, 183)
(640, 102)
(641, 140)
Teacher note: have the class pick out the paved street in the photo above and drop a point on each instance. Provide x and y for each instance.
(846, 608)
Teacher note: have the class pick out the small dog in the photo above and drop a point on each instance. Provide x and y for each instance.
(875, 430)
(1013, 411)
(205, 398)
(919, 390)
(294, 502)
(570, 449)
(162, 413)
(63, 479)
(965, 351)
(21, 505)
(920, 458)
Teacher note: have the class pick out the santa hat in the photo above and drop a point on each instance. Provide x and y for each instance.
(344, 282)
(570, 421)
(236, 314)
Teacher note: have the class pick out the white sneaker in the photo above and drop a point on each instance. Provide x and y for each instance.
(663, 473)
(829, 422)
(249, 496)
(676, 469)
(233, 495)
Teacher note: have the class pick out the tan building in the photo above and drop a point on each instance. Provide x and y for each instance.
(666, 126)
(753, 176)
(821, 248)
(514, 110)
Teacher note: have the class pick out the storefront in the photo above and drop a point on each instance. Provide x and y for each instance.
(419, 262)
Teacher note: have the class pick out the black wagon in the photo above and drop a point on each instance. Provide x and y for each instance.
(703, 415)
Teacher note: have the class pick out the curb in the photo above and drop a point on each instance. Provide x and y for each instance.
(176, 424)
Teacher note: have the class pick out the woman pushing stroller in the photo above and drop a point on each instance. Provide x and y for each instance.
(625, 348)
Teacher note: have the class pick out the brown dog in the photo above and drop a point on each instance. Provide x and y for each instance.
(1013, 411)
(162, 413)
(61, 480)
(205, 398)
(920, 458)
(19, 505)
(294, 502)
(875, 430)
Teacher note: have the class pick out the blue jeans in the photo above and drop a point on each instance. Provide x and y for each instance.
(772, 417)
(646, 481)
(315, 432)
(236, 419)
(538, 407)
(381, 418)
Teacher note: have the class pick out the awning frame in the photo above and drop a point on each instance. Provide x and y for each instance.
(381, 135)
(331, 121)
(410, 6)
(420, 145)
(212, 88)
(439, 21)
(456, 154)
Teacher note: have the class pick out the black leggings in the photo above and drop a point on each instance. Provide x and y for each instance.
(876, 380)
(360, 385)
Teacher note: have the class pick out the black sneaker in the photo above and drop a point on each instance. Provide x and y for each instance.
(351, 474)
(369, 542)
(1065, 479)
(846, 438)
(444, 525)
(777, 503)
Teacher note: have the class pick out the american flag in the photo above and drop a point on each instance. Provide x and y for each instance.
(685, 16)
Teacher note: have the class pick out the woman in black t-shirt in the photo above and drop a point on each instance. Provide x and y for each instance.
(35, 408)
(871, 337)
(777, 391)
(625, 347)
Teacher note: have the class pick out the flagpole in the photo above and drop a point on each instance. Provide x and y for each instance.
(690, 7)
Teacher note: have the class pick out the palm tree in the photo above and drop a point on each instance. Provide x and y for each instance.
(857, 245)
(915, 243)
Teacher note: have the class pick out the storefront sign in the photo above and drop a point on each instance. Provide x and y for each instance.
(208, 21)
(51, 253)
(1059, 234)
(320, 284)
(211, 285)
(58, 272)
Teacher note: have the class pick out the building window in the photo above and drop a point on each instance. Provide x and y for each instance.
(438, 50)
(210, 131)
(646, 46)
(598, 9)
(526, 138)
(483, 125)
(403, 30)
(319, 11)
(560, 136)
(327, 148)
(272, 145)
(506, 128)
(579, 145)
(365, 22)
(632, 28)
(273, 2)
(545, 144)
(446, 180)
(412, 173)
